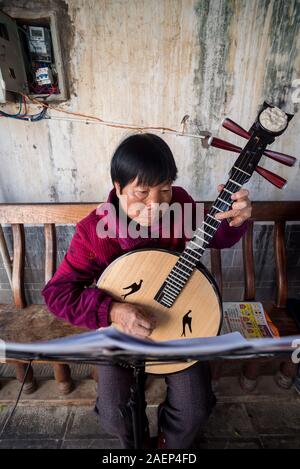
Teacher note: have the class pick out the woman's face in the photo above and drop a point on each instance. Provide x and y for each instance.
(141, 203)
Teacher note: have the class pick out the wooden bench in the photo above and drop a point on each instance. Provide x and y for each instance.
(27, 323)
(278, 213)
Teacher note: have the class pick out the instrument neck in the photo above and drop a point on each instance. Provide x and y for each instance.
(239, 174)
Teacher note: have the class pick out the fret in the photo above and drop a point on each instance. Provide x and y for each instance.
(168, 292)
(242, 171)
(234, 182)
(191, 255)
(217, 208)
(219, 221)
(165, 293)
(172, 294)
(227, 203)
(177, 279)
(179, 269)
(182, 257)
(177, 273)
(186, 266)
(173, 286)
(199, 247)
(168, 302)
(170, 282)
(196, 252)
(213, 227)
(229, 192)
(205, 232)
(185, 253)
(168, 289)
(199, 237)
(181, 285)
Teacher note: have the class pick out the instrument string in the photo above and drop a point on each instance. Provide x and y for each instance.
(238, 177)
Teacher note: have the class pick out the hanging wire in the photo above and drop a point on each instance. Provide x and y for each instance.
(24, 116)
(90, 119)
(4, 114)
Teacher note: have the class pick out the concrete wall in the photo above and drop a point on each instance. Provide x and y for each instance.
(150, 62)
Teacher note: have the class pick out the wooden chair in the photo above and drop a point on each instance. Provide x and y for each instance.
(27, 323)
(279, 213)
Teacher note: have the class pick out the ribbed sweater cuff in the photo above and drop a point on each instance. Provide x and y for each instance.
(103, 311)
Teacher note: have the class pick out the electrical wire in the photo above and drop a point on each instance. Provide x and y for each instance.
(24, 116)
(89, 119)
(25, 105)
(19, 111)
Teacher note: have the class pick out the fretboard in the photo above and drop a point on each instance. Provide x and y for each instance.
(188, 260)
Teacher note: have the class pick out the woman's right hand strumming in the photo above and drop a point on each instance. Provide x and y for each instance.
(132, 319)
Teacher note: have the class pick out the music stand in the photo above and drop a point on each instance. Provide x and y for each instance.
(136, 402)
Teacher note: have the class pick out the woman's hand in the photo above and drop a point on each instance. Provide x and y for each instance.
(132, 319)
(240, 210)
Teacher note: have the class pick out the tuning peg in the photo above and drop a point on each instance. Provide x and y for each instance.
(235, 128)
(274, 155)
(273, 178)
(281, 157)
(219, 143)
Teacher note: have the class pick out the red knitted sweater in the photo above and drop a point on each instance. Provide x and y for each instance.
(67, 294)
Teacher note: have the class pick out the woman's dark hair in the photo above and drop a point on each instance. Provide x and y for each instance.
(145, 156)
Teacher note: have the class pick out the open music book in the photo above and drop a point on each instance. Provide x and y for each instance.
(109, 343)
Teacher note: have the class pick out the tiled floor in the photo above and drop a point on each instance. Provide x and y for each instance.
(259, 420)
(231, 426)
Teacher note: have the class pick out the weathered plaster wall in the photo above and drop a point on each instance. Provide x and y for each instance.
(152, 62)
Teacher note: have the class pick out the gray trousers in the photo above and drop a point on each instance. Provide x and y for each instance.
(188, 404)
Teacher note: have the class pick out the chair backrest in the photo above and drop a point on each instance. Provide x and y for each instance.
(278, 213)
(61, 213)
(38, 214)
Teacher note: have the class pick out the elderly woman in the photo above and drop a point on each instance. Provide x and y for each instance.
(143, 171)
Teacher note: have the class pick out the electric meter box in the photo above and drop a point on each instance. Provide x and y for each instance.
(39, 42)
(12, 69)
(30, 56)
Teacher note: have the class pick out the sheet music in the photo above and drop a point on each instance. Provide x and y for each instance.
(109, 341)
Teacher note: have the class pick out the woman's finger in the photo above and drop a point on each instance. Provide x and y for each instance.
(142, 331)
(240, 194)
